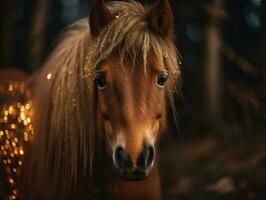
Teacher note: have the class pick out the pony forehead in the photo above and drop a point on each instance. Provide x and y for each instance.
(129, 34)
(130, 65)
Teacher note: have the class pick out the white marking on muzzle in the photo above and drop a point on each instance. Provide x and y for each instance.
(119, 142)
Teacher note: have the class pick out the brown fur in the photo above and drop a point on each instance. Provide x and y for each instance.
(133, 102)
(77, 125)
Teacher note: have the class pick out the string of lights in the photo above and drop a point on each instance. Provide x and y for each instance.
(15, 133)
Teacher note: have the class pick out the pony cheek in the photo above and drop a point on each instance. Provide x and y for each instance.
(109, 133)
(154, 132)
(162, 125)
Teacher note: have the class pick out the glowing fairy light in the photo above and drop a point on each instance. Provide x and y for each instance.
(27, 106)
(11, 181)
(15, 133)
(10, 88)
(21, 152)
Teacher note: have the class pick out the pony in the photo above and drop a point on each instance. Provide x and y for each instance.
(100, 104)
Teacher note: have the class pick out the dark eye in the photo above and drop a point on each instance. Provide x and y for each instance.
(162, 78)
(101, 81)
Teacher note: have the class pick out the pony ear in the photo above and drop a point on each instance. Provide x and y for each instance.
(100, 17)
(160, 17)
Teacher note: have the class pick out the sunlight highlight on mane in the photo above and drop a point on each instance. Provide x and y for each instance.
(64, 129)
(64, 102)
(130, 33)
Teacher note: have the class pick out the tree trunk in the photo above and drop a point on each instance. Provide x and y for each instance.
(37, 34)
(263, 45)
(213, 70)
(8, 32)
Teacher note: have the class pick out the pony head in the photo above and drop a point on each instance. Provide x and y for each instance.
(133, 67)
(109, 79)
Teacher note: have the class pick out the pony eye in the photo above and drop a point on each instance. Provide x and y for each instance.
(101, 81)
(162, 78)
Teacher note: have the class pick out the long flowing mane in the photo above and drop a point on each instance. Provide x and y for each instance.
(64, 93)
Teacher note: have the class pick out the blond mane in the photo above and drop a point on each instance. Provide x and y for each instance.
(64, 96)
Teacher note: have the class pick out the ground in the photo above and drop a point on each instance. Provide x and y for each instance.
(199, 163)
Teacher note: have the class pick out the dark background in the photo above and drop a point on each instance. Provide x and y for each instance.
(217, 151)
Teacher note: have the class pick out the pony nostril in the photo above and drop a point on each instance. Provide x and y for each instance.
(158, 116)
(146, 157)
(151, 155)
(122, 159)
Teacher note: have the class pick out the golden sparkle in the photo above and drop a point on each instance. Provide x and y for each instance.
(49, 76)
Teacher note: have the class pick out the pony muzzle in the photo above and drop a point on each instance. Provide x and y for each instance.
(138, 169)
